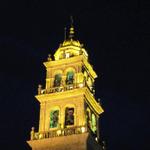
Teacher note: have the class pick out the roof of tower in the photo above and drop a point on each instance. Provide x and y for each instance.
(70, 47)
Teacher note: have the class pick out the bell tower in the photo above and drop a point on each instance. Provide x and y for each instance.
(69, 112)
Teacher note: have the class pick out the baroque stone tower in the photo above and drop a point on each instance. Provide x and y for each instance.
(69, 112)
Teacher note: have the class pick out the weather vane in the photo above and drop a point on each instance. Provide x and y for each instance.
(71, 32)
(71, 20)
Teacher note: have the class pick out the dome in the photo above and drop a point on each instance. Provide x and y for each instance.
(71, 42)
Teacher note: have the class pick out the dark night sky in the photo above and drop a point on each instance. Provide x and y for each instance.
(117, 38)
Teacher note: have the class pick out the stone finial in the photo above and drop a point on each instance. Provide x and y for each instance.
(32, 133)
(104, 145)
(93, 91)
(39, 88)
(99, 101)
(49, 57)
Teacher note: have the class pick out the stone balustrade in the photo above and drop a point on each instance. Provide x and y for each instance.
(57, 132)
(60, 88)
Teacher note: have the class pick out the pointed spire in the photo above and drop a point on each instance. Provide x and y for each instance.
(71, 31)
(65, 33)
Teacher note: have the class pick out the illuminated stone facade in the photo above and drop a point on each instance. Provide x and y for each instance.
(69, 112)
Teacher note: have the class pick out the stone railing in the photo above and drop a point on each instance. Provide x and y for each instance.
(60, 88)
(58, 132)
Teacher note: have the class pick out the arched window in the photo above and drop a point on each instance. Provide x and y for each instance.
(54, 118)
(91, 120)
(93, 123)
(57, 80)
(69, 116)
(88, 117)
(70, 77)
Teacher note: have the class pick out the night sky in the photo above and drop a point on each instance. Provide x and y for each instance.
(116, 35)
